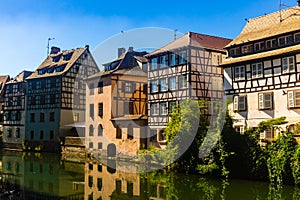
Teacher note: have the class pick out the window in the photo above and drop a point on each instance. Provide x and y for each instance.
(288, 64)
(99, 184)
(41, 135)
(271, 43)
(172, 60)
(259, 46)
(239, 103)
(91, 87)
(297, 37)
(154, 108)
(31, 135)
(182, 57)
(100, 110)
(100, 130)
(128, 108)
(118, 186)
(172, 83)
(100, 87)
(91, 145)
(76, 117)
(52, 117)
(32, 117)
(265, 101)
(68, 56)
(154, 87)
(128, 87)
(100, 145)
(163, 85)
(92, 110)
(235, 51)
(130, 132)
(247, 49)
(182, 80)
(9, 131)
(163, 61)
(51, 135)
(42, 117)
(18, 133)
(163, 108)
(172, 106)
(91, 130)
(90, 181)
(267, 134)
(285, 40)
(118, 133)
(153, 63)
(257, 70)
(239, 73)
(130, 188)
(294, 99)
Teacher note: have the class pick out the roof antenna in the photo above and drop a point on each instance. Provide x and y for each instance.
(280, 7)
(48, 45)
(175, 34)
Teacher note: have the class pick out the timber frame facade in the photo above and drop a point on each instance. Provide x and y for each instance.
(262, 71)
(187, 68)
(14, 111)
(3, 81)
(56, 97)
(116, 117)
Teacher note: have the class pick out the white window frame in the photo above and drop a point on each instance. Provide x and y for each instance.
(257, 70)
(288, 64)
(153, 64)
(163, 85)
(267, 134)
(163, 108)
(172, 83)
(235, 51)
(240, 103)
(239, 73)
(260, 46)
(293, 99)
(247, 49)
(153, 86)
(265, 101)
(154, 109)
(182, 81)
(285, 39)
(163, 61)
(272, 43)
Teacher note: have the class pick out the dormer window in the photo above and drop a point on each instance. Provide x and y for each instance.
(68, 56)
(60, 68)
(235, 51)
(42, 71)
(259, 46)
(297, 37)
(247, 49)
(285, 40)
(56, 58)
(271, 43)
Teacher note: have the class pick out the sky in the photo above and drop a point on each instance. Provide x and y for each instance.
(26, 25)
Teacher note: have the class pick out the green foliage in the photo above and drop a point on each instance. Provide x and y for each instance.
(295, 165)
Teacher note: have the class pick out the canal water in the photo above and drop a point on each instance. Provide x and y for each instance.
(42, 176)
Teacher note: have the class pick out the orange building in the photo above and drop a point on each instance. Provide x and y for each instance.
(116, 116)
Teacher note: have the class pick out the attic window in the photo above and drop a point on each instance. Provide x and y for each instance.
(42, 71)
(50, 70)
(285, 40)
(68, 56)
(297, 37)
(60, 68)
(56, 58)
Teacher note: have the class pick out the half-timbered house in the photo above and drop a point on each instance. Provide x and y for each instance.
(186, 68)
(14, 111)
(3, 80)
(56, 97)
(116, 116)
(262, 70)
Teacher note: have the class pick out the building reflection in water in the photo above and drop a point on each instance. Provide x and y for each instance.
(45, 176)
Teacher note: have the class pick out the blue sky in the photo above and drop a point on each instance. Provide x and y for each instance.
(25, 25)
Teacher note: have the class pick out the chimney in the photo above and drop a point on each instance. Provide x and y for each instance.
(130, 49)
(121, 51)
(87, 46)
(54, 50)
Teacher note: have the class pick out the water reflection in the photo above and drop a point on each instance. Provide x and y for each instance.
(46, 176)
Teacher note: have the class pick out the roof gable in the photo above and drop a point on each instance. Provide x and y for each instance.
(269, 25)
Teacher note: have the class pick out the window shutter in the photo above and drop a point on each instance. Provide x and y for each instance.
(268, 100)
(123, 86)
(291, 103)
(291, 64)
(235, 103)
(261, 101)
(284, 65)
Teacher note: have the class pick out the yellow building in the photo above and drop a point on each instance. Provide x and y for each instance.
(116, 116)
